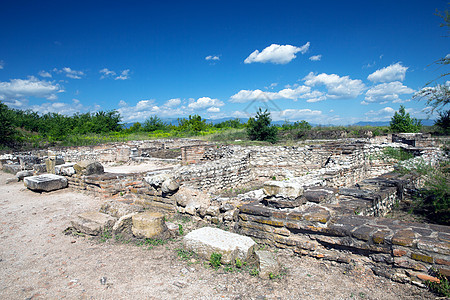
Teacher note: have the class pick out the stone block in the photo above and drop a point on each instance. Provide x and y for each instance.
(170, 186)
(192, 199)
(88, 167)
(11, 168)
(282, 189)
(123, 225)
(65, 169)
(281, 202)
(45, 182)
(93, 222)
(320, 195)
(40, 168)
(149, 224)
(118, 209)
(22, 174)
(403, 238)
(267, 264)
(207, 240)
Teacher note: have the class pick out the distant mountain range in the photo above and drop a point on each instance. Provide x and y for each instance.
(174, 121)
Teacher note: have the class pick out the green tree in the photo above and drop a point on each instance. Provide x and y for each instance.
(7, 130)
(260, 129)
(154, 123)
(194, 124)
(444, 121)
(402, 122)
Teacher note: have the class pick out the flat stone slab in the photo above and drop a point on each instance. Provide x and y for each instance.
(93, 222)
(45, 182)
(207, 240)
(289, 190)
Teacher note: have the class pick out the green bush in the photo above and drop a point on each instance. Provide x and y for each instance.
(260, 129)
(402, 122)
(214, 260)
(443, 122)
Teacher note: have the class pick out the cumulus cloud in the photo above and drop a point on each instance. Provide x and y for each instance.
(16, 91)
(173, 102)
(205, 102)
(316, 57)
(212, 57)
(299, 92)
(387, 92)
(394, 72)
(45, 74)
(213, 110)
(62, 107)
(124, 75)
(147, 108)
(277, 54)
(337, 87)
(384, 114)
(107, 73)
(296, 114)
(69, 72)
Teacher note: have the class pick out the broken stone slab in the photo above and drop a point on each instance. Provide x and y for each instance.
(45, 182)
(93, 222)
(88, 167)
(65, 169)
(22, 174)
(320, 195)
(118, 209)
(192, 200)
(282, 189)
(267, 263)
(149, 224)
(11, 168)
(281, 202)
(164, 181)
(123, 226)
(208, 240)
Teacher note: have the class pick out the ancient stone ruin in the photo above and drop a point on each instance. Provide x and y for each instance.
(325, 199)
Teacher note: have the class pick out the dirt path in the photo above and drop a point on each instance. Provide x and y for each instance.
(37, 261)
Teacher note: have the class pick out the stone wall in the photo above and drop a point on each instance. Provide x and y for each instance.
(195, 153)
(214, 176)
(347, 231)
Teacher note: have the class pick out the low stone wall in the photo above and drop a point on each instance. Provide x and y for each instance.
(216, 175)
(347, 230)
(195, 153)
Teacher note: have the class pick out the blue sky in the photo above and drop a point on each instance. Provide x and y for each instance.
(327, 62)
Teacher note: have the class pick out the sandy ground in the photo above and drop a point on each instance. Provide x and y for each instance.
(38, 261)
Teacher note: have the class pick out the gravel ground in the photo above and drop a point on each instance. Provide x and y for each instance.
(39, 261)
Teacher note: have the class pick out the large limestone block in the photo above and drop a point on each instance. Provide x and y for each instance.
(164, 181)
(267, 264)
(192, 199)
(207, 240)
(65, 169)
(45, 182)
(93, 222)
(11, 168)
(290, 190)
(149, 225)
(88, 167)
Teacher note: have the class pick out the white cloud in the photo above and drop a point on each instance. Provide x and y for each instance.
(300, 92)
(17, 90)
(390, 73)
(122, 103)
(173, 102)
(212, 57)
(45, 74)
(387, 111)
(337, 87)
(205, 102)
(70, 73)
(213, 110)
(2, 64)
(387, 92)
(296, 114)
(277, 54)
(62, 107)
(316, 57)
(124, 75)
(106, 73)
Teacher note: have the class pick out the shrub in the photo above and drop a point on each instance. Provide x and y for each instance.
(443, 122)
(402, 122)
(214, 260)
(260, 129)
